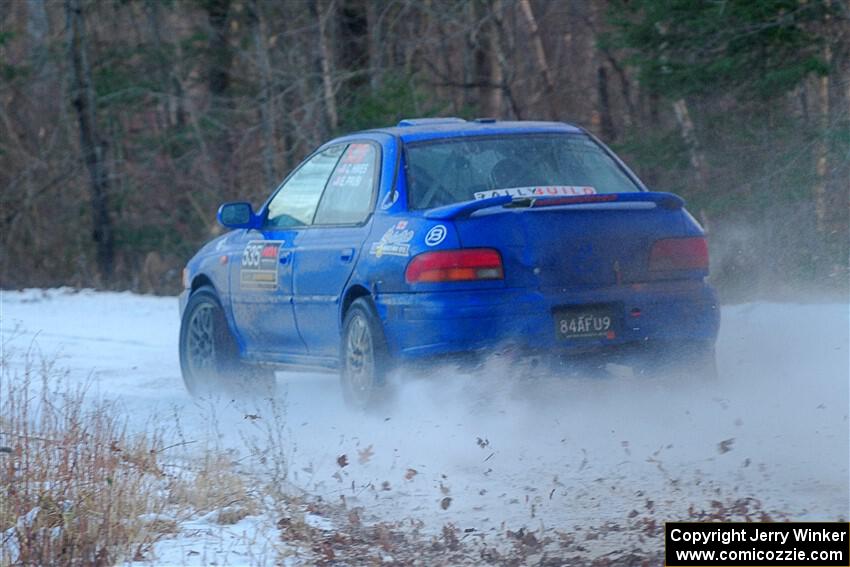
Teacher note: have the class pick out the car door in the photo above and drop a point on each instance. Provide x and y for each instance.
(262, 282)
(330, 249)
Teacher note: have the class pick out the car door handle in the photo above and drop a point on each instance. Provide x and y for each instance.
(285, 256)
(347, 255)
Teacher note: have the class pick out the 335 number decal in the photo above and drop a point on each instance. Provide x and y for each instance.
(252, 254)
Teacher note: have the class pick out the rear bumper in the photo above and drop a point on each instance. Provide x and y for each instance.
(443, 323)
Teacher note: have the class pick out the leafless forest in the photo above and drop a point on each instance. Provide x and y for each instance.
(123, 124)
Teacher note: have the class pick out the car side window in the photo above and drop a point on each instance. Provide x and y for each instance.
(295, 202)
(348, 196)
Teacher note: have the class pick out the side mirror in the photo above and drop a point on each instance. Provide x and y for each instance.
(237, 215)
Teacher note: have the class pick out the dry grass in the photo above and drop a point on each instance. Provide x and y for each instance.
(215, 487)
(75, 486)
(78, 487)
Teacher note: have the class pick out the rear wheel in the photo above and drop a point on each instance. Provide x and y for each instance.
(364, 358)
(209, 355)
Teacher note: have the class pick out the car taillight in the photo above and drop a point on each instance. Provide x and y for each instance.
(455, 266)
(679, 254)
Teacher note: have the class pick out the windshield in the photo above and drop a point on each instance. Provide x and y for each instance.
(448, 171)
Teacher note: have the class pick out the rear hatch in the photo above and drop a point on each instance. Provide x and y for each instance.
(580, 245)
(561, 209)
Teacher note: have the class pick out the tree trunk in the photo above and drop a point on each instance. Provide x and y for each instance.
(445, 51)
(822, 153)
(494, 92)
(267, 115)
(325, 63)
(92, 148)
(173, 109)
(473, 57)
(38, 30)
(838, 119)
(373, 25)
(606, 121)
(540, 58)
(630, 116)
(221, 56)
(500, 69)
(220, 59)
(686, 126)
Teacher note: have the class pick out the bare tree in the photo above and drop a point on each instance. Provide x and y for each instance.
(91, 145)
(540, 57)
(267, 113)
(175, 106)
(325, 61)
(501, 74)
(689, 135)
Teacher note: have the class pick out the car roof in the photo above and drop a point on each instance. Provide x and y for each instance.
(421, 129)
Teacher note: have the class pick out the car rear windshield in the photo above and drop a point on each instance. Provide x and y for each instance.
(447, 171)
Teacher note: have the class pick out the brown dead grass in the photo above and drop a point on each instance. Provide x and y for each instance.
(73, 482)
(215, 486)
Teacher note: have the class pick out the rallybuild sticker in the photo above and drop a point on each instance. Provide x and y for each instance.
(259, 264)
(394, 242)
(541, 191)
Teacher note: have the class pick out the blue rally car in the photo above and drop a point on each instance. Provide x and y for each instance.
(441, 237)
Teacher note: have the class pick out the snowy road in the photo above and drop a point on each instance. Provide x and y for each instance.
(562, 454)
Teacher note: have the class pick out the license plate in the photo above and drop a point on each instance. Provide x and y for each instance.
(586, 322)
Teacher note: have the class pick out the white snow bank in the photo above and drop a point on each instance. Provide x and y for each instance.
(563, 454)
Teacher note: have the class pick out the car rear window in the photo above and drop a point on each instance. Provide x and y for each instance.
(446, 171)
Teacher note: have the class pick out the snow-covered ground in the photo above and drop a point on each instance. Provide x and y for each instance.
(486, 452)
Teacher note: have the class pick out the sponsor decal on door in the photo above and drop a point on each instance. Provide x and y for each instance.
(259, 269)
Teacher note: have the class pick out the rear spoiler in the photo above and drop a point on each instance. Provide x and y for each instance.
(466, 208)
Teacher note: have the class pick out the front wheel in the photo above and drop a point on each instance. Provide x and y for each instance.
(364, 358)
(209, 355)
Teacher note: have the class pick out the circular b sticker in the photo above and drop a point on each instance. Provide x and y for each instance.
(436, 235)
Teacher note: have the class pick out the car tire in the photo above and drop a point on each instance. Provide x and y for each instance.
(364, 357)
(209, 354)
